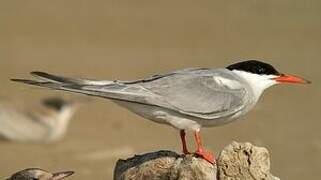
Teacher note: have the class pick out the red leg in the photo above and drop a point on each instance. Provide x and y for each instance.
(201, 151)
(182, 133)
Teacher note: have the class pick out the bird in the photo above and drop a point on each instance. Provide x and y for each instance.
(46, 123)
(39, 174)
(186, 99)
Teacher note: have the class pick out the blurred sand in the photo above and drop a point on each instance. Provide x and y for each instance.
(132, 39)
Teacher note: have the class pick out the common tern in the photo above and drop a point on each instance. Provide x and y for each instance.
(186, 99)
(47, 122)
(39, 174)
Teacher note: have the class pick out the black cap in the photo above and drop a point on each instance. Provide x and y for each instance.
(255, 67)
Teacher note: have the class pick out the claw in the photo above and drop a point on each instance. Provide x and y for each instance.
(208, 156)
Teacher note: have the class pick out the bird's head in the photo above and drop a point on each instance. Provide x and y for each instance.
(39, 174)
(56, 103)
(261, 75)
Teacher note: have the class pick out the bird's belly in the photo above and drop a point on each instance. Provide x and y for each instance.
(161, 115)
(175, 119)
(218, 121)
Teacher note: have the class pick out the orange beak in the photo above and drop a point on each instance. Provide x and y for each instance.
(291, 79)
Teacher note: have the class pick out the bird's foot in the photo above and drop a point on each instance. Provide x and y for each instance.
(208, 156)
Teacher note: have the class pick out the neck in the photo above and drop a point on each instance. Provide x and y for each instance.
(256, 83)
(62, 121)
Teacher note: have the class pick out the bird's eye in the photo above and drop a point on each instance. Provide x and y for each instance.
(261, 70)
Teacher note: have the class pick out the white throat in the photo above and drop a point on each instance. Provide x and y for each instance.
(258, 83)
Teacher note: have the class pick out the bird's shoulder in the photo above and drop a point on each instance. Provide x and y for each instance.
(215, 79)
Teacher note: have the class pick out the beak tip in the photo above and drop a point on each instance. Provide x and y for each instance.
(69, 173)
(62, 175)
(308, 82)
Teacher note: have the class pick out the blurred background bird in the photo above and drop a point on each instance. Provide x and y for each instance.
(45, 123)
(39, 174)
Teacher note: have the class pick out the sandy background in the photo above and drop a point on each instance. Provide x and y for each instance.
(131, 39)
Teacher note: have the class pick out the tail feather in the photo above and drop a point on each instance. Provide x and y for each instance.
(60, 86)
(47, 84)
(106, 89)
(68, 80)
(53, 78)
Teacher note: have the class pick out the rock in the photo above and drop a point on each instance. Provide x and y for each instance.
(164, 165)
(237, 161)
(244, 161)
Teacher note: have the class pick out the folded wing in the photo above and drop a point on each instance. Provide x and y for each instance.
(192, 92)
(197, 93)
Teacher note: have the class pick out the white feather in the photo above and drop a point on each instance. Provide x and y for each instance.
(258, 83)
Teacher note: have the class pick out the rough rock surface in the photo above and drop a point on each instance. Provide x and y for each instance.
(244, 161)
(164, 165)
(237, 161)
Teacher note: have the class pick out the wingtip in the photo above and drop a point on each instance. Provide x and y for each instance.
(18, 80)
(26, 81)
(38, 73)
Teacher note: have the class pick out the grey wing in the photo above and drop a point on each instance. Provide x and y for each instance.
(199, 94)
(191, 92)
